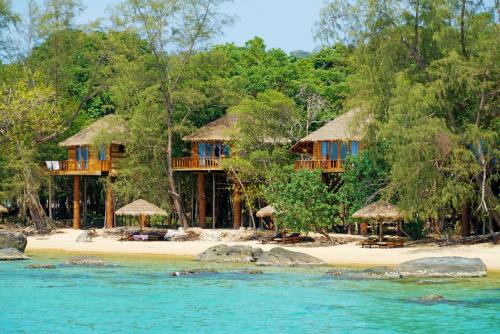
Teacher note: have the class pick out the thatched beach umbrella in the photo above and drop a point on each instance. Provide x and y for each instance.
(3, 210)
(141, 208)
(379, 212)
(267, 211)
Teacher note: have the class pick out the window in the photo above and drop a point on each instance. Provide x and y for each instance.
(85, 151)
(218, 150)
(343, 151)
(355, 148)
(102, 153)
(334, 152)
(226, 150)
(121, 148)
(78, 157)
(324, 149)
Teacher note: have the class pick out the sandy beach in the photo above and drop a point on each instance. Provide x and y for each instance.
(347, 254)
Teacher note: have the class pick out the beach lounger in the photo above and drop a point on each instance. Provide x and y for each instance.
(369, 243)
(268, 240)
(291, 239)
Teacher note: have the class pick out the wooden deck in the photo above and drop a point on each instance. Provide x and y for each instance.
(197, 164)
(91, 167)
(327, 166)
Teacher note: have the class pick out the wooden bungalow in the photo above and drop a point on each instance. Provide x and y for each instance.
(328, 147)
(86, 158)
(210, 145)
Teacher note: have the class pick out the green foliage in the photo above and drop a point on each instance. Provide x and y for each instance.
(359, 185)
(303, 203)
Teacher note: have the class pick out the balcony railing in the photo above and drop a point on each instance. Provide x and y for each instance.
(331, 166)
(197, 163)
(74, 167)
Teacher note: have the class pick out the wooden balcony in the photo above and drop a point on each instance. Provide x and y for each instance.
(197, 164)
(327, 166)
(90, 167)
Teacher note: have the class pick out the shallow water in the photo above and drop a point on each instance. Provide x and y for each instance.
(137, 295)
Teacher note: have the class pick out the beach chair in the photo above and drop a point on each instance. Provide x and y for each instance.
(291, 239)
(368, 242)
(275, 238)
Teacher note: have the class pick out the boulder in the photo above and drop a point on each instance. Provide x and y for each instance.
(370, 273)
(448, 266)
(224, 253)
(13, 240)
(251, 271)
(86, 261)
(12, 254)
(192, 272)
(85, 236)
(431, 299)
(41, 266)
(282, 257)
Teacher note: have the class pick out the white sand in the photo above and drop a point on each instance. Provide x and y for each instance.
(348, 254)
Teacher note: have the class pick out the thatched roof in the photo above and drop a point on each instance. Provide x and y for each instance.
(3, 209)
(218, 130)
(342, 128)
(267, 211)
(109, 125)
(141, 207)
(379, 211)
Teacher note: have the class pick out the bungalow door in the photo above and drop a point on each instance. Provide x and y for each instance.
(201, 154)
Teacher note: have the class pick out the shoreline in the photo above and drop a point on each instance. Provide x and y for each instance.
(350, 254)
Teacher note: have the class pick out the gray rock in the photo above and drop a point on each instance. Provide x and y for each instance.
(251, 271)
(370, 273)
(282, 257)
(12, 254)
(448, 266)
(85, 236)
(13, 240)
(235, 254)
(430, 299)
(86, 261)
(41, 266)
(192, 272)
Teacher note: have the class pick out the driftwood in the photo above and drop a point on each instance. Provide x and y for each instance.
(491, 237)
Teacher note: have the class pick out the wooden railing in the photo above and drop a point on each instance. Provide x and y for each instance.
(89, 166)
(197, 163)
(325, 165)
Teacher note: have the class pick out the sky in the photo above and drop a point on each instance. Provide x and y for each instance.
(285, 24)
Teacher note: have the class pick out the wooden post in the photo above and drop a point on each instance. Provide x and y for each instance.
(380, 232)
(76, 202)
(202, 203)
(142, 221)
(214, 216)
(236, 208)
(84, 200)
(50, 198)
(109, 206)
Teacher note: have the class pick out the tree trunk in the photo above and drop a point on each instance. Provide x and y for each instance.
(462, 30)
(40, 219)
(465, 221)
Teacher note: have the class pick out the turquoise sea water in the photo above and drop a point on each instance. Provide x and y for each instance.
(137, 295)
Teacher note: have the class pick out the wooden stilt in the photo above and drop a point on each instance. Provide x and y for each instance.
(214, 216)
(76, 202)
(236, 208)
(202, 203)
(84, 202)
(109, 206)
(50, 197)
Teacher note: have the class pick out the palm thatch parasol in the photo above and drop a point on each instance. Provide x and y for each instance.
(267, 211)
(379, 212)
(141, 208)
(3, 210)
